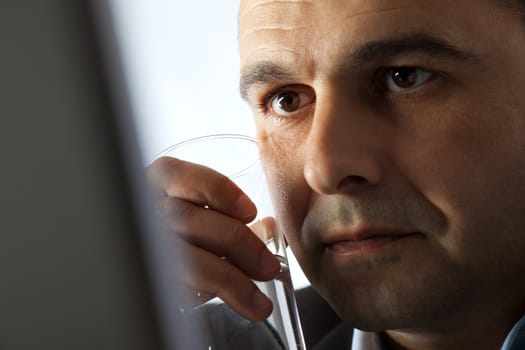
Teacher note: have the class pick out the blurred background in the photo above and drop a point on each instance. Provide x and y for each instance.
(183, 65)
(181, 59)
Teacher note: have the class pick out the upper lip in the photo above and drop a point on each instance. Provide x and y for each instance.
(363, 234)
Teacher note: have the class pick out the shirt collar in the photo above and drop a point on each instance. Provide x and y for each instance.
(516, 338)
(367, 341)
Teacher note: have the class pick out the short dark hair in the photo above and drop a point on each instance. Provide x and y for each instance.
(514, 5)
(518, 5)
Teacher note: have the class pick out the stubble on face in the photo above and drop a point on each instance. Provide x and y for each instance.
(438, 152)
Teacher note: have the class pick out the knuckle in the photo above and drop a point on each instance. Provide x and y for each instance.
(181, 208)
(168, 172)
(237, 236)
(161, 166)
(174, 212)
(217, 185)
(230, 273)
(160, 163)
(163, 206)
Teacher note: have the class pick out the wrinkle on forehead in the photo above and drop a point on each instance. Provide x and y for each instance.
(263, 3)
(288, 16)
(375, 12)
(275, 15)
(256, 51)
(283, 27)
(269, 26)
(355, 16)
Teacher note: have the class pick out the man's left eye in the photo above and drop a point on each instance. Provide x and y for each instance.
(402, 79)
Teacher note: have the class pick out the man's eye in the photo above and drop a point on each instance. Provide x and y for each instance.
(402, 79)
(285, 103)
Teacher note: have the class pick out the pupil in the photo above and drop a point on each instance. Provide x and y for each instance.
(405, 77)
(288, 102)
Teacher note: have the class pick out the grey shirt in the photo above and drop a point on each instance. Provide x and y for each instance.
(223, 329)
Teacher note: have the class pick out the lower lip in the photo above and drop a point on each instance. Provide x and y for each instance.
(365, 245)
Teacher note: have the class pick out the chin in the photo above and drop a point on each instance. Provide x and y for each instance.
(369, 312)
(388, 301)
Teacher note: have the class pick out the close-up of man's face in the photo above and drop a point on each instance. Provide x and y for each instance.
(392, 136)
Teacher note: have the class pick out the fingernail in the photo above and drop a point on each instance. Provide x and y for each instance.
(261, 301)
(245, 207)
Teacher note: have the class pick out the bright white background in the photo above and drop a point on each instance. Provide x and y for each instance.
(182, 63)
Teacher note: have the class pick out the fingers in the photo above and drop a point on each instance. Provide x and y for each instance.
(178, 178)
(220, 235)
(219, 255)
(214, 276)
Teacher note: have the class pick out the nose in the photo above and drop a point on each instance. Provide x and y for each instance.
(343, 148)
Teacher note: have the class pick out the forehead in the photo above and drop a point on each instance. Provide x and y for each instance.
(295, 30)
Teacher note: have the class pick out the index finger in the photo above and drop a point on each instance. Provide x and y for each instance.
(202, 186)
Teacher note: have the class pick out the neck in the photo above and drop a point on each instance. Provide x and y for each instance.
(482, 329)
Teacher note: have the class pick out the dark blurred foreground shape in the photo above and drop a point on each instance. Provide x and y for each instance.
(73, 247)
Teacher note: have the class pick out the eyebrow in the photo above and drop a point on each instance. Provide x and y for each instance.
(268, 72)
(415, 43)
(262, 73)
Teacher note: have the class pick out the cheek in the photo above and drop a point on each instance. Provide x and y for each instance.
(472, 168)
(282, 159)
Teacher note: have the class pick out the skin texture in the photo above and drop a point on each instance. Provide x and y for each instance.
(439, 164)
(203, 237)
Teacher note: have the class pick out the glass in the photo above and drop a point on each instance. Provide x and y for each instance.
(236, 156)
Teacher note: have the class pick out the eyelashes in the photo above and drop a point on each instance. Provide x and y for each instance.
(285, 103)
(404, 79)
(400, 82)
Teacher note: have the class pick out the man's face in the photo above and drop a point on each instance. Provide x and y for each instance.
(392, 132)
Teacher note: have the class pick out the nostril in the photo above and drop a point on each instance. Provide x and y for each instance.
(352, 181)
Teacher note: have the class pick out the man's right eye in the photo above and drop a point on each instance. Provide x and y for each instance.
(285, 103)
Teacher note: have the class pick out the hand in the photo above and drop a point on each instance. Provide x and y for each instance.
(216, 253)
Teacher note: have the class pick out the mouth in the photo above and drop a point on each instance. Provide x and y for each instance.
(364, 241)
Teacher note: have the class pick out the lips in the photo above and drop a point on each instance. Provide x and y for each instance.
(361, 241)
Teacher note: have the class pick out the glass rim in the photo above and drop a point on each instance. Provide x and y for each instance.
(204, 138)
